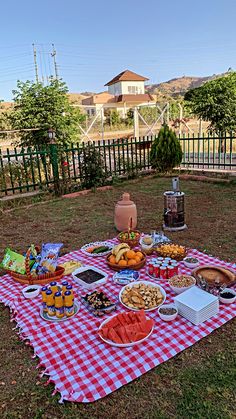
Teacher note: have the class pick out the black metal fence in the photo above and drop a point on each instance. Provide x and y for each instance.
(29, 169)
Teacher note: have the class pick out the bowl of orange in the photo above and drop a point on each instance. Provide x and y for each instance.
(129, 260)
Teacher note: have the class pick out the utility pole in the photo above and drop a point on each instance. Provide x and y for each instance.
(35, 64)
(53, 54)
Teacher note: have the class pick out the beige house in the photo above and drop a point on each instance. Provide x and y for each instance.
(125, 91)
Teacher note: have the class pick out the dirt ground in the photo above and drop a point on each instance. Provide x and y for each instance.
(199, 382)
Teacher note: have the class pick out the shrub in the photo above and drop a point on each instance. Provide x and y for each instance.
(93, 170)
(166, 151)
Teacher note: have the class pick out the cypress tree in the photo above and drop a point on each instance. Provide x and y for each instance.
(166, 150)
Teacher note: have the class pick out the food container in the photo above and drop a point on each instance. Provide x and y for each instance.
(89, 277)
(179, 289)
(116, 267)
(227, 300)
(168, 317)
(98, 312)
(131, 241)
(146, 247)
(191, 262)
(31, 294)
(125, 276)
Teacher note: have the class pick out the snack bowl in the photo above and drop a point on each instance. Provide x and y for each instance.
(117, 267)
(177, 282)
(191, 262)
(228, 300)
(126, 237)
(172, 250)
(133, 287)
(168, 317)
(31, 294)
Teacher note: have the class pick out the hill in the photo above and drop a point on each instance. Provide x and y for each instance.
(179, 86)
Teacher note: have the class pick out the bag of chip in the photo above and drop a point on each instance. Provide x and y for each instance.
(13, 261)
(49, 257)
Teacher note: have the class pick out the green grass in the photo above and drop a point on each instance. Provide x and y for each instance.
(197, 383)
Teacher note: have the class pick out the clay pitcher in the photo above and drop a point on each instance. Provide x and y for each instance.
(125, 210)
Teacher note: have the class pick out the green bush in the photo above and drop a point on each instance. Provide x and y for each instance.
(93, 168)
(166, 151)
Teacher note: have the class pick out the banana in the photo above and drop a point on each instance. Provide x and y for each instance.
(120, 253)
(120, 246)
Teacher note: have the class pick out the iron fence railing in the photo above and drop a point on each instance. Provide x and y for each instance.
(48, 166)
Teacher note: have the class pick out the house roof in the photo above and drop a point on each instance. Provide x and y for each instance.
(126, 75)
(106, 98)
(146, 97)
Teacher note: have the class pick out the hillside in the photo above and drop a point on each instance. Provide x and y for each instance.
(179, 86)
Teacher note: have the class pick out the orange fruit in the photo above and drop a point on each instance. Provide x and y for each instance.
(130, 254)
(122, 262)
(137, 258)
(112, 259)
(131, 262)
(140, 255)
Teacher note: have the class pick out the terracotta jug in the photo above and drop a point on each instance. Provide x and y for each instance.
(124, 211)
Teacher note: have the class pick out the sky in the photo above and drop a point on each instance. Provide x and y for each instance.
(96, 40)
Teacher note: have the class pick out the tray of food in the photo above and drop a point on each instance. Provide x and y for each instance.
(123, 257)
(98, 303)
(142, 295)
(126, 329)
(172, 250)
(212, 277)
(97, 249)
(89, 277)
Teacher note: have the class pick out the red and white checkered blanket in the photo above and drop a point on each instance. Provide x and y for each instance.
(81, 366)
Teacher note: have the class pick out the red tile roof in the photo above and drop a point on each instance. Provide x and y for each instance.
(126, 75)
(146, 97)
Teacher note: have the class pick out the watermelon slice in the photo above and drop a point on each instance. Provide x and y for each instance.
(121, 331)
(140, 336)
(141, 315)
(122, 319)
(104, 332)
(131, 334)
(113, 323)
(112, 335)
(133, 317)
(146, 326)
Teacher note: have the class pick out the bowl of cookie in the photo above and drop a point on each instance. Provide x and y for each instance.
(142, 295)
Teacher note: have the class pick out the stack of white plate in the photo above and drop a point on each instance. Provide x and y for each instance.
(197, 305)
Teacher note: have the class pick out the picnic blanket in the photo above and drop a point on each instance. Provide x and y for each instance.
(82, 367)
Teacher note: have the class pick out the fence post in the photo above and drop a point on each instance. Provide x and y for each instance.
(54, 162)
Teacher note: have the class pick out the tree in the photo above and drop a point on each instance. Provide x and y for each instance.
(44, 107)
(166, 150)
(215, 101)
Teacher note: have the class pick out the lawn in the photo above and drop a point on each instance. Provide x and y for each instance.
(199, 382)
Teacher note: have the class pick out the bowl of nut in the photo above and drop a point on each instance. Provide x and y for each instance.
(181, 283)
(168, 312)
(142, 295)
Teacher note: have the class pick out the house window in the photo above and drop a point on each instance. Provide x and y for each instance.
(133, 90)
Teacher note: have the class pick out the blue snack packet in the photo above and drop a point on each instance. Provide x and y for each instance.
(49, 257)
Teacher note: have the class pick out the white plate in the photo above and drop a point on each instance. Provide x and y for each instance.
(145, 283)
(56, 319)
(86, 246)
(121, 345)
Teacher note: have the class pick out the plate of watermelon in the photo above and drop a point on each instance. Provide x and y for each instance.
(126, 329)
